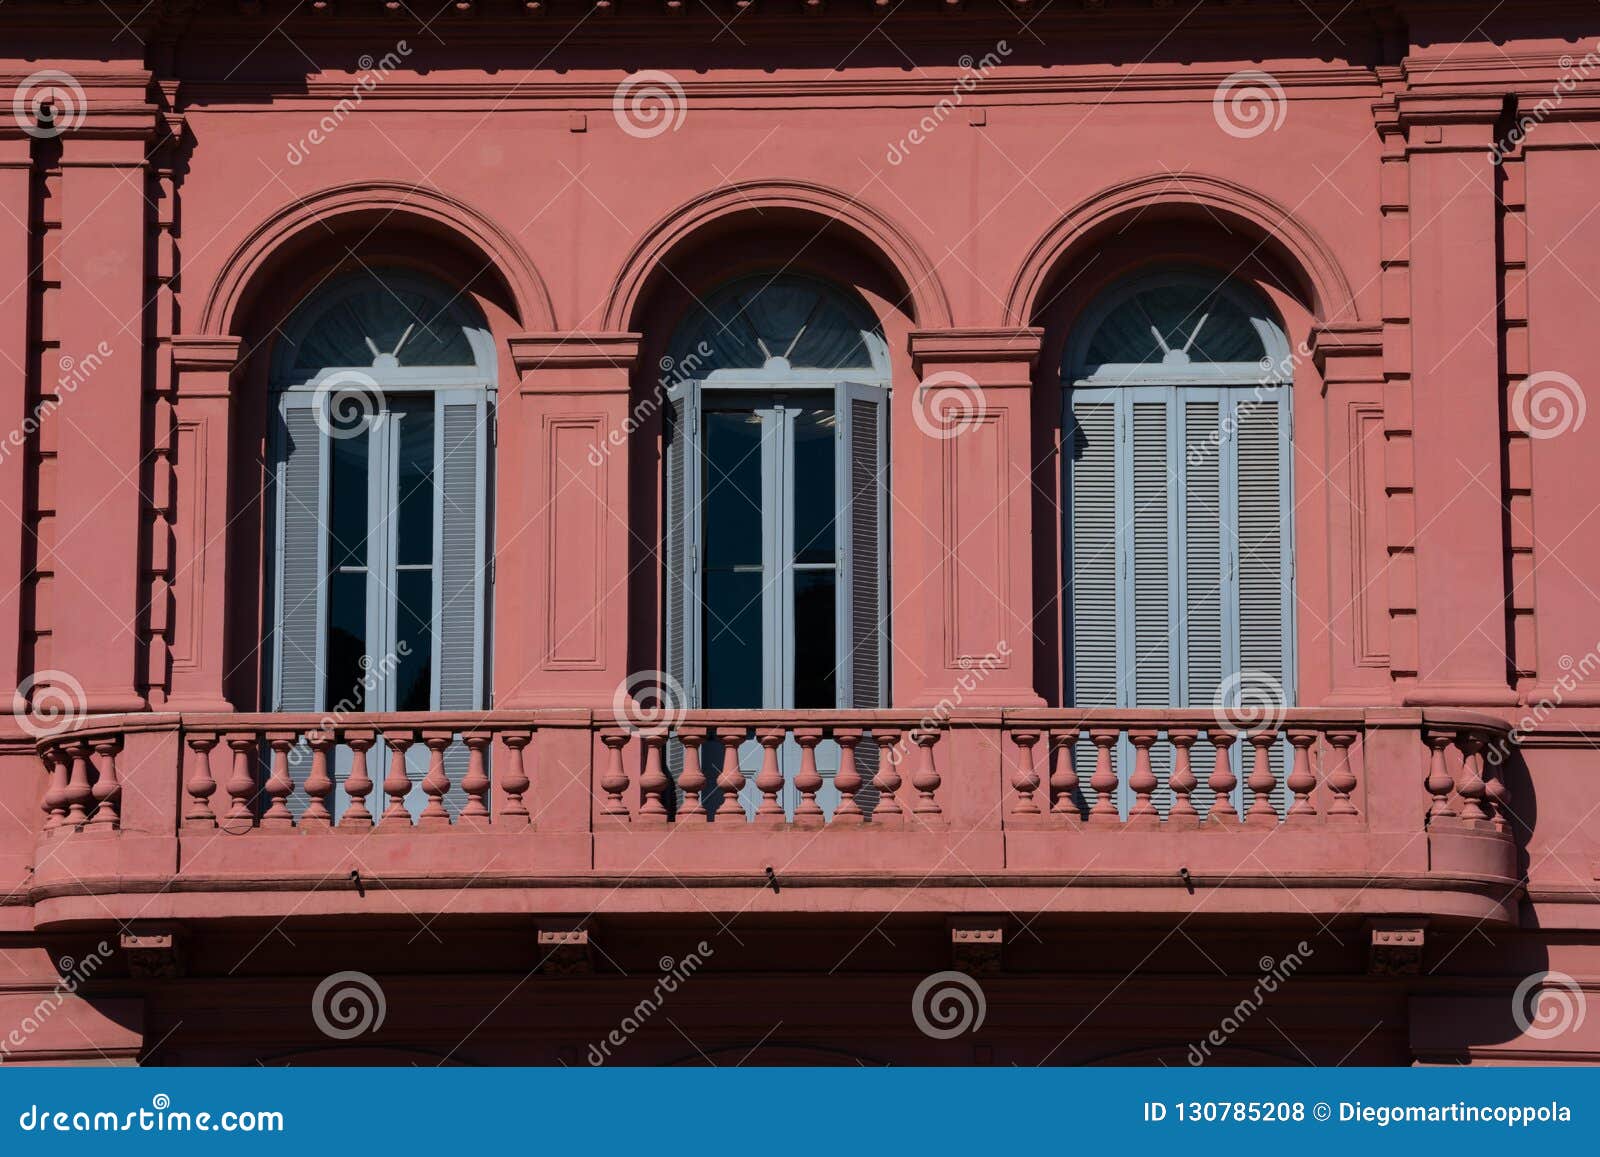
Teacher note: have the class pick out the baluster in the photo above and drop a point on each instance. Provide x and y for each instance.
(769, 780)
(925, 779)
(1438, 780)
(1301, 782)
(55, 796)
(692, 779)
(1222, 780)
(1262, 779)
(1473, 790)
(1143, 780)
(614, 780)
(1500, 799)
(1183, 780)
(107, 787)
(319, 783)
(1024, 777)
(887, 779)
(241, 783)
(654, 782)
(514, 812)
(436, 784)
(358, 784)
(1342, 780)
(731, 781)
(80, 796)
(201, 784)
(847, 780)
(1104, 780)
(475, 812)
(1064, 777)
(397, 784)
(808, 813)
(280, 785)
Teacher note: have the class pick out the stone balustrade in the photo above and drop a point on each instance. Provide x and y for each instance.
(1089, 802)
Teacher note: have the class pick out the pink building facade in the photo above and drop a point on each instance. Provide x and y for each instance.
(651, 533)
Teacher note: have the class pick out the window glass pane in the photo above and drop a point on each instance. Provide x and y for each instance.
(413, 659)
(731, 485)
(347, 640)
(1184, 323)
(377, 322)
(414, 484)
(733, 633)
(347, 501)
(814, 639)
(815, 508)
(746, 325)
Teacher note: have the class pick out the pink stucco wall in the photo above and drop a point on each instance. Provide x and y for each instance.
(1442, 535)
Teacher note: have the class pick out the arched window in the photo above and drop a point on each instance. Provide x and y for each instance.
(382, 384)
(1179, 530)
(776, 500)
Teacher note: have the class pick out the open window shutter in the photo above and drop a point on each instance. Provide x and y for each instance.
(863, 562)
(1094, 568)
(1204, 625)
(863, 489)
(299, 586)
(680, 541)
(460, 493)
(1263, 557)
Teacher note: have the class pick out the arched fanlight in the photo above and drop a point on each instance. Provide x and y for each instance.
(1183, 325)
(387, 324)
(777, 325)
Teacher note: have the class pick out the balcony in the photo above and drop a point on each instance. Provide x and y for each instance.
(569, 812)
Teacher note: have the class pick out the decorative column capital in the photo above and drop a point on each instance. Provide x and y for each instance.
(205, 352)
(1347, 351)
(597, 358)
(1449, 122)
(947, 348)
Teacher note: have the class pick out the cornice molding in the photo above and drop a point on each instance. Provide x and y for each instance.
(205, 352)
(1009, 344)
(547, 351)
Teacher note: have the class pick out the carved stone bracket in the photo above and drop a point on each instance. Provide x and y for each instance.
(152, 951)
(975, 946)
(565, 951)
(1396, 947)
